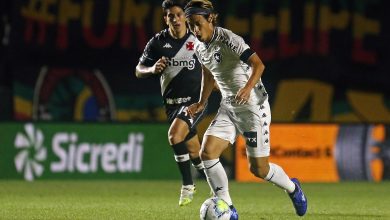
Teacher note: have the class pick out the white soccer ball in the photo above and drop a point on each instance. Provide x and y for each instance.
(215, 208)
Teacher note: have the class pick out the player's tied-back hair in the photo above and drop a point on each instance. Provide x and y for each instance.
(201, 7)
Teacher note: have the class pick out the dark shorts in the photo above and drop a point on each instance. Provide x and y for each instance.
(179, 112)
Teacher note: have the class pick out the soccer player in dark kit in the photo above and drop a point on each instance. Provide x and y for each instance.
(170, 55)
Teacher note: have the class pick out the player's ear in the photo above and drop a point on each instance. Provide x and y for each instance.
(210, 18)
(165, 19)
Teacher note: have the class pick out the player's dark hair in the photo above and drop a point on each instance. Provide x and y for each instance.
(201, 7)
(167, 4)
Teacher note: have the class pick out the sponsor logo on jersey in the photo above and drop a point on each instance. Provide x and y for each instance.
(251, 138)
(177, 100)
(167, 45)
(189, 63)
(230, 44)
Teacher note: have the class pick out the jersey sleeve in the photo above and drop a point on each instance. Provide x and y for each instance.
(238, 46)
(197, 52)
(149, 57)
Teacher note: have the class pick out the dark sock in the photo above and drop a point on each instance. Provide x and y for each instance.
(196, 162)
(183, 161)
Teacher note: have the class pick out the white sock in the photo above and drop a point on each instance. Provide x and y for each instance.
(277, 176)
(217, 179)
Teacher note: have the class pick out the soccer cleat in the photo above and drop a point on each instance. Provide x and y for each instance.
(234, 215)
(186, 194)
(298, 198)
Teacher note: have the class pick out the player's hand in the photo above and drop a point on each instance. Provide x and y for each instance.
(193, 109)
(242, 95)
(160, 65)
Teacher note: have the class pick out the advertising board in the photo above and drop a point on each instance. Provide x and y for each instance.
(322, 152)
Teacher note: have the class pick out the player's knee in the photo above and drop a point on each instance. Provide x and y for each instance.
(206, 155)
(203, 154)
(174, 138)
(193, 154)
(260, 172)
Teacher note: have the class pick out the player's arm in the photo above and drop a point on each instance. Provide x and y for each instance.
(205, 91)
(248, 56)
(208, 82)
(258, 67)
(257, 70)
(142, 71)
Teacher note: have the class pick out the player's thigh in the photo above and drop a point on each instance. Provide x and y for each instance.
(212, 147)
(257, 132)
(222, 127)
(218, 136)
(177, 131)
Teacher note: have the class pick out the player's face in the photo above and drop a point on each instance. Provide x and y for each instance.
(175, 18)
(201, 27)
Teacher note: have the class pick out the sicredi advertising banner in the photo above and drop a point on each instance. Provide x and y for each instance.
(322, 152)
(35, 151)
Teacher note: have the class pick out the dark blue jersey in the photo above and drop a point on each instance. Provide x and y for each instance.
(181, 79)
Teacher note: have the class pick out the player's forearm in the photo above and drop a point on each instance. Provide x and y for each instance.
(257, 70)
(207, 87)
(142, 71)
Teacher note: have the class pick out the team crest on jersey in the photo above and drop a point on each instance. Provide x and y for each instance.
(217, 57)
(190, 45)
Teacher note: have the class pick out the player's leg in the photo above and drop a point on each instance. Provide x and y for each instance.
(260, 167)
(220, 134)
(179, 134)
(275, 174)
(187, 126)
(193, 147)
(185, 143)
(212, 148)
(191, 138)
(258, 151)
(177, 138)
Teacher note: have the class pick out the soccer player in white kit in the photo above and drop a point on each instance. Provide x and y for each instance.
(227, 60)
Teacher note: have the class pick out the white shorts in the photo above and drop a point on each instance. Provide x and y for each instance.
(253, 122)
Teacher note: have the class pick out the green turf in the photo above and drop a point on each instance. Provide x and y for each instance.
(158, 200)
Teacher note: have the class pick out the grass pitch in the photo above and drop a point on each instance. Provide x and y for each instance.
(135, 200)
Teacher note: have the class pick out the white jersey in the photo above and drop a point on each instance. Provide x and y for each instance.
(226, 56)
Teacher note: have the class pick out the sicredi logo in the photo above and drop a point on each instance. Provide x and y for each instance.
(31, 152)
(71, 155)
